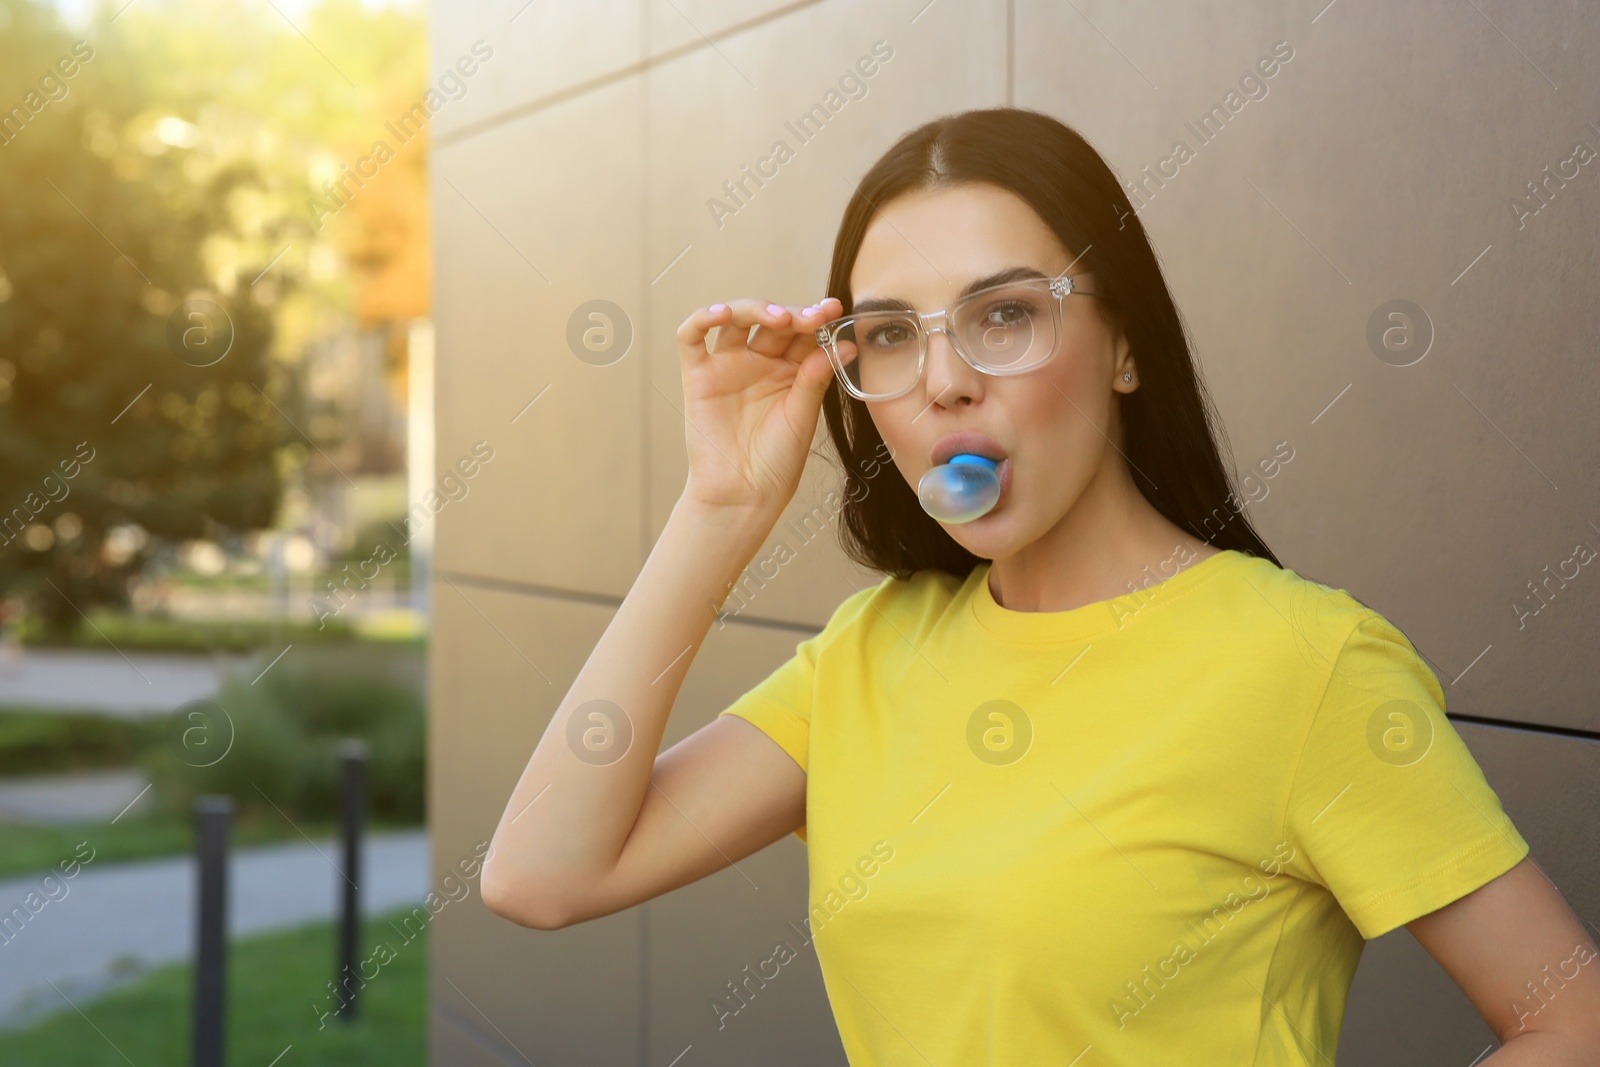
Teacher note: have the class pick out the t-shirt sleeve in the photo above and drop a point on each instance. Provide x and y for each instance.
(1387, 808)
(780, 704)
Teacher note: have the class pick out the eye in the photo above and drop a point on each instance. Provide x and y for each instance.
(1007, 313)
(888, 335)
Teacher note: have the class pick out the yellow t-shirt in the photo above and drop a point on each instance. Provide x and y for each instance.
(1150, 830)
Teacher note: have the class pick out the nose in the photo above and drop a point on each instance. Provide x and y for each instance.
(949, 378)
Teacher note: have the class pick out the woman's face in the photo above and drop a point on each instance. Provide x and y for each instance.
(1055, 424)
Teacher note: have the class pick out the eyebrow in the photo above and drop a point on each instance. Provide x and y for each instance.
(894, 303)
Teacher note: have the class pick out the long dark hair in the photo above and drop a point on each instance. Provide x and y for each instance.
(1170, 439)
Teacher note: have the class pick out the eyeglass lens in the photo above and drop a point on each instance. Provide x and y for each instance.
(1006, 328)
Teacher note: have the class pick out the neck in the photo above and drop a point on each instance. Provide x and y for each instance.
(1107, 545)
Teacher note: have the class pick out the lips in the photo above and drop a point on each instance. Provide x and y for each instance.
(969, 442)
(975, 444)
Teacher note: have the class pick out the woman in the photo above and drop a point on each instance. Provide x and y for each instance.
(1088, 778)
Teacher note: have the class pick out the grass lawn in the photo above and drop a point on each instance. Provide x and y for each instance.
(29, 848)
(274, 980)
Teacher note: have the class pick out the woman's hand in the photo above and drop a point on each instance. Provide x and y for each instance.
(752, 405)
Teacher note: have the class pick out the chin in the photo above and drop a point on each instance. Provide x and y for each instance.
(992, 536)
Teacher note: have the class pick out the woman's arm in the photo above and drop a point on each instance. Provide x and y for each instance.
(596, 822)
(563, 831)
(1521, 956)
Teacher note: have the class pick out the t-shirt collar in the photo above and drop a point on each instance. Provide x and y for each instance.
(1089, 620)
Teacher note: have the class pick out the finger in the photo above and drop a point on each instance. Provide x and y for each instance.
(778, 340)
(824, 311)
(733, 335)
(799, 339)
(693, 330)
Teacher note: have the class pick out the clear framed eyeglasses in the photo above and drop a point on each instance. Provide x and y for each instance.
(1002, 329)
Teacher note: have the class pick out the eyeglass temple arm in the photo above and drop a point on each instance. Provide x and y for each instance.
(1074, 283)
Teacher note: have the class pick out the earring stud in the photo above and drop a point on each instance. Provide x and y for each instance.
(1127, 375)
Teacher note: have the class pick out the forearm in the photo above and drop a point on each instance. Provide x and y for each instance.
(577, 801)
(1544, 1048)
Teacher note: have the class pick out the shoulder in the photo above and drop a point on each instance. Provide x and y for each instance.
(896, 605)
(1357, 659)
(1280, 608)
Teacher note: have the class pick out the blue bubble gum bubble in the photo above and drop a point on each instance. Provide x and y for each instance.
(961, 490)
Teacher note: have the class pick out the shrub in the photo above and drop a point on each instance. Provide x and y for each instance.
(391, 532)
(285, 732)
(34, 742)
(157, 633)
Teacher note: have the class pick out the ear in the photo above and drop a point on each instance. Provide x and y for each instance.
(1122, 363)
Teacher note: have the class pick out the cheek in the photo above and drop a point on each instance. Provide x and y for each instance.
(893, 421)
(1047, 407)
(1082, 366)
(1058, 417)
(1074, 401)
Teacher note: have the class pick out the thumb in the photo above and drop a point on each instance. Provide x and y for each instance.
(816, 372)
(810, 384)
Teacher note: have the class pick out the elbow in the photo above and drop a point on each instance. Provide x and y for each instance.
(518, 899)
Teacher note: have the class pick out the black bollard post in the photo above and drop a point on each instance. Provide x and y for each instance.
(212, 817)
(353, 767)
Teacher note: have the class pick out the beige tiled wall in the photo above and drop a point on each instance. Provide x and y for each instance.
(1381, 164)
(533, 218)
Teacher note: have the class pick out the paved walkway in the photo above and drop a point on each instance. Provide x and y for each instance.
(140, 683)
(80, 797)
(109, 923)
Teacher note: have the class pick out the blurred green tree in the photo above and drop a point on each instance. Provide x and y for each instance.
(134, 391)
(173, 166)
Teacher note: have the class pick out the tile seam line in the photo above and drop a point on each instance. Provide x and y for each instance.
(647, 31)
(1575, 732)
(552, 592)
(561, 96)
